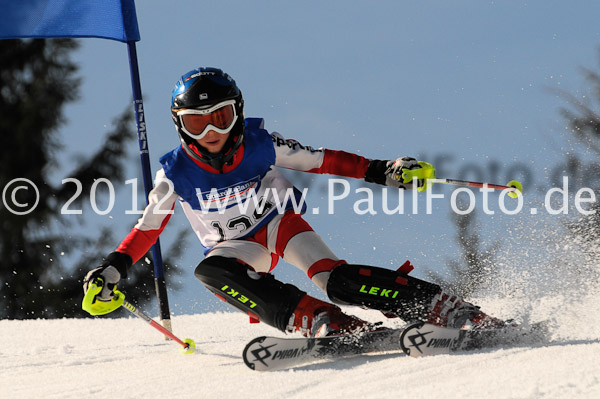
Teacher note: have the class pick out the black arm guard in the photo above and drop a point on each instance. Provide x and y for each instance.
(376, 171)
(122, 262)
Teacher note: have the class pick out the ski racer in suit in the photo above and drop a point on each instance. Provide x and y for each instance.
(247, 216)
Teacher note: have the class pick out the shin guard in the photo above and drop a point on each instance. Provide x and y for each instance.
(258, 295)
(392, 292)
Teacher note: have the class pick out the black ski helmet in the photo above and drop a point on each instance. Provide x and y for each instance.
(202, 88)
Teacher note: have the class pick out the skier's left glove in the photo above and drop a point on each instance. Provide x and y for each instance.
(401, 173)
(100, 285)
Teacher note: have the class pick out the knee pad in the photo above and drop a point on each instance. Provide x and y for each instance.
(261, 296)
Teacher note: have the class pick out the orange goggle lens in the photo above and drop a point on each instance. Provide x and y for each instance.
(221, 118)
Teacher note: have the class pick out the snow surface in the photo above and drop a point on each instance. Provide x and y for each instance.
(127, 358)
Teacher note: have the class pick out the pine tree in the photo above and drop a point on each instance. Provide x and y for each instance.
(583, 123)
(37, 80)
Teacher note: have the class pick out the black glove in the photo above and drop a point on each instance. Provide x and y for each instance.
(389, 173)
(113, 268)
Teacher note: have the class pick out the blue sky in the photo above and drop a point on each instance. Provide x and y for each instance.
(466, 84)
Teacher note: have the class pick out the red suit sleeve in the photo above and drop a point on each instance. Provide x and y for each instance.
(290, 154)
(161, 202)
(138, 242)
(342, 163)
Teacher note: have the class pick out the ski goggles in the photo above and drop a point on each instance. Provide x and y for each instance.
(196, 123)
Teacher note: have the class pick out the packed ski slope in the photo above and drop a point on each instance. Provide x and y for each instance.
(127, 358)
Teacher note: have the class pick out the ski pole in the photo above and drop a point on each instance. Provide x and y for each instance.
(515, 188)
(426, 173)
(187, 345)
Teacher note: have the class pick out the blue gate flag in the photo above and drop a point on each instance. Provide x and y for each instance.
(107, 19)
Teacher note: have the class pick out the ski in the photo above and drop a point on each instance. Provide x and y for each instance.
(277, 353)
(421, 339)
(417, 339)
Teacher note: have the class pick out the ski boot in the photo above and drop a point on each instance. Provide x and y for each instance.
(315, 318)
(453, 311)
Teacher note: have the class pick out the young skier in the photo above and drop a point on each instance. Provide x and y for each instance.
(224, 177)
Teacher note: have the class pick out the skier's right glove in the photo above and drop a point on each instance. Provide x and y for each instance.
(100, 284)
